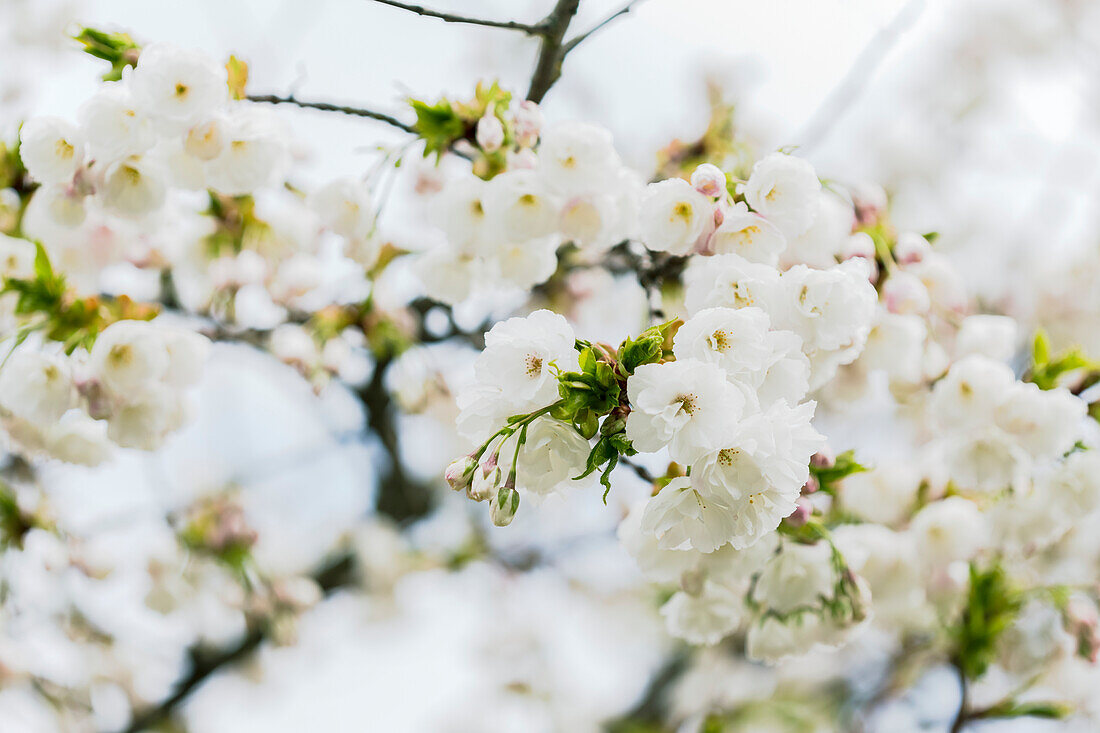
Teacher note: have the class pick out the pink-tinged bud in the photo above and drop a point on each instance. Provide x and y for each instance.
(811, 486)
(803, 510)
(911, 247)
(709, 180)
(859, 244)
(490, 133)
(904, 293)
(524, 159)
(823, 459)
(503, 506)
(527, 124)
(485, 483)
(460, 473)
(870, 203)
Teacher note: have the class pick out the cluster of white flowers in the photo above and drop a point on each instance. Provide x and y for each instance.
(130, 390)
(169, 123)
(505, 232)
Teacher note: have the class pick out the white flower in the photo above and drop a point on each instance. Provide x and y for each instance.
(730, 281)
(187, 354)
(178, 85)
(521, 206)
(771, 639)
(896, 346)
(206, 140)
(787, 376)
(949, 530)
(971, 391)
(344, 205)
(680, 515)
(115, 125)
(985, 458)
(943, 281)
(1075, 485)
(144, 421)
(77, 438)
(576, 157)
(252, 154)
(16, 258)
(36, 387)
(735, 340)
(133, 187)
(990, 336)
(821, 244)
(1045, 422)
(760, 474)
(685, 405)
(294, 345)
(552, 456)
(461, 213)
(591, 221)
(527, 122)
(785, 190)
(658, 564)
(885, 494)
(799, 577)
(673, 216)
(705, 617)
(749, 235)
(128, 356)
(520, 358)
(526, 264)
(51, 148)
(449, 273)
(830, 309)
(904, 292)
(888, 561)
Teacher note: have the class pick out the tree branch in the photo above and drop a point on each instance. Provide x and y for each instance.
(569, 46)
(551, 51)
(531, 30)
(328, 107)
(204, 664)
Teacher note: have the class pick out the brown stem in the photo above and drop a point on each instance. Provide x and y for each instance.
(329, 107)
(551, 50)
(531, 30)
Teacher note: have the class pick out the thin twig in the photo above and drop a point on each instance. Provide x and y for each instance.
(857, 78)
(570, 45)
(329, 107)
(531, 30)
(551, 52)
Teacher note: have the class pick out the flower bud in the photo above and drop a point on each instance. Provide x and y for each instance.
(460, 473)
(904, 293)
(811, 486)
(490, 133)
(503, 506)
(485, 482)
(802, 511)
(822, 459)
(527, 124)
(859, 244)
(524, 159)
(911, 247)
(709, 180)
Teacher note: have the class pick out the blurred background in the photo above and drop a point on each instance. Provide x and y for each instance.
(980, 118)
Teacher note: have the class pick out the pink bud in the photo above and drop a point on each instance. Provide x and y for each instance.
(904, 293)
(490, 133)
(803, 510)
(709, 180)
(911, 247)
(823, 459)
(859, 244)
(527, 123)
(811, 485)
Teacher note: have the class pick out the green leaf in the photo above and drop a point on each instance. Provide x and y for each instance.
(828, 476)
(991, 607)
(1047, 368)
(438, 124)
(117, 48)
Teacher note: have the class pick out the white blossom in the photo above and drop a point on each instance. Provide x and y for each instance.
(674, 216)
(784, 189)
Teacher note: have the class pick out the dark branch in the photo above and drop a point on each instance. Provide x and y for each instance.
(327, 107)
(551, 51)
(531, 30)
(204, 664)
(569, 46)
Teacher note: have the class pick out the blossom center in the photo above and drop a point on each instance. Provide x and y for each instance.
(687, 403)
(681, 210)
(534, 365)
(63, 149)
(720, 340)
